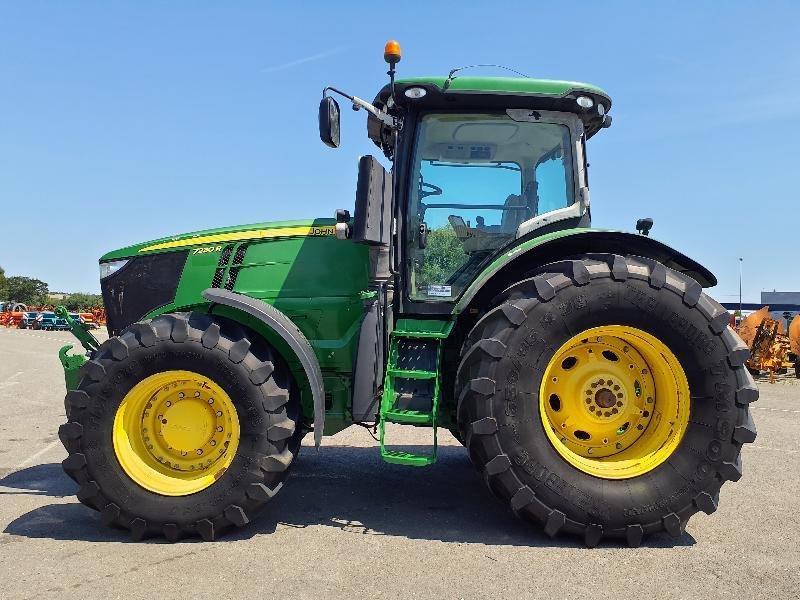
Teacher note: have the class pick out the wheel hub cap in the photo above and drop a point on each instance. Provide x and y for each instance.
(176, 432)
(614, 401)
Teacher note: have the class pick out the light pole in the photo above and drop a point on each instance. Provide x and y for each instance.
(740, 287)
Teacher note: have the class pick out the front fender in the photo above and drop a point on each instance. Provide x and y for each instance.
(289, 333)
(534, 252)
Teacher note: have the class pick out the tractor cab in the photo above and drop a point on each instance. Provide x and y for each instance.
(478, 165)
(479, 181)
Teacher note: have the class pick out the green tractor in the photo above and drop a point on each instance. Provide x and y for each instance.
(597, 389)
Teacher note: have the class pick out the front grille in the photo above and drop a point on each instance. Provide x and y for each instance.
(217, 279)
(233, 273)
(233, 268)
(141, 286)
(226, 252)
(240, 252)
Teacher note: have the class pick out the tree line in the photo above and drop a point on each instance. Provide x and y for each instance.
(35, 292)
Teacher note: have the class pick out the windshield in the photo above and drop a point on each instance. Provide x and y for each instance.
(476, 178)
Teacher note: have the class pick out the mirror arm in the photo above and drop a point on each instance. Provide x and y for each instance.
(383, 117)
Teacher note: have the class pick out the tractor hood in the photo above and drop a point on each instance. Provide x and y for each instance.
(223, 235)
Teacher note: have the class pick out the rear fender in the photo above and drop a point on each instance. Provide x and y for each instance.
(532, 253)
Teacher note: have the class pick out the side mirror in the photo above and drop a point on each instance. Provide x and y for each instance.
(329, 122)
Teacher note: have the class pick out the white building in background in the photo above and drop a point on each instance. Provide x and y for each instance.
(774, 298)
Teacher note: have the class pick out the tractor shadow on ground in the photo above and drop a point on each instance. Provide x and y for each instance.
(347, 488)
(69, 521)
(39, 480)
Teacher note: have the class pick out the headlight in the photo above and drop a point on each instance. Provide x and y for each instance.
(415, 92)
(585, 102)
(109, 268)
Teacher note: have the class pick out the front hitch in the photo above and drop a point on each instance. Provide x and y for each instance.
(73, 362)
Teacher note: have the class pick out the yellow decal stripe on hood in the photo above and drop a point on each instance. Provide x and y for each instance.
(236, 236)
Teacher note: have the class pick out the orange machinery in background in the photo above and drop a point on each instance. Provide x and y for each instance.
(770, 344)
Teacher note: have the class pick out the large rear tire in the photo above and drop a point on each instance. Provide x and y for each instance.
(182, 425)
(571, 439)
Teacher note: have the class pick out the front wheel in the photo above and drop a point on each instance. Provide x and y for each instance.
(186, 424)
(606, 397)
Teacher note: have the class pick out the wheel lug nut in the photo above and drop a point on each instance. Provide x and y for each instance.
(219, 427)
(168, 403)
(197, 394)
(219, 413)
(619, 404)
(181, 395)
(211, 401)
(199, 452)
(213, 442)
(618, 445)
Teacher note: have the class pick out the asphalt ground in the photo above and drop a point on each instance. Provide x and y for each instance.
(347, 525)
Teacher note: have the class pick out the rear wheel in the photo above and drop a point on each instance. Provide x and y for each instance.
(182, 425)
(606, 397)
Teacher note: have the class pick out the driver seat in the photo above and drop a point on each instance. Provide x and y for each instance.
(517, 214)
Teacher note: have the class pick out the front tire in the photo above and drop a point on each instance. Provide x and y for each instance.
(182, 425)
(583, 486)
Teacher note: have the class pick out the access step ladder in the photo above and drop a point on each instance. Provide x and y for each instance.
(411, 388)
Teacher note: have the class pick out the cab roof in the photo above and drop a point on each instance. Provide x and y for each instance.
(505, 85)
(496, 93)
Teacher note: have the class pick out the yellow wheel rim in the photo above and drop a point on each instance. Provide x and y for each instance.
(614, 402)
(175, 433)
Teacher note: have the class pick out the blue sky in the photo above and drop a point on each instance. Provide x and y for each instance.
(122, 122)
